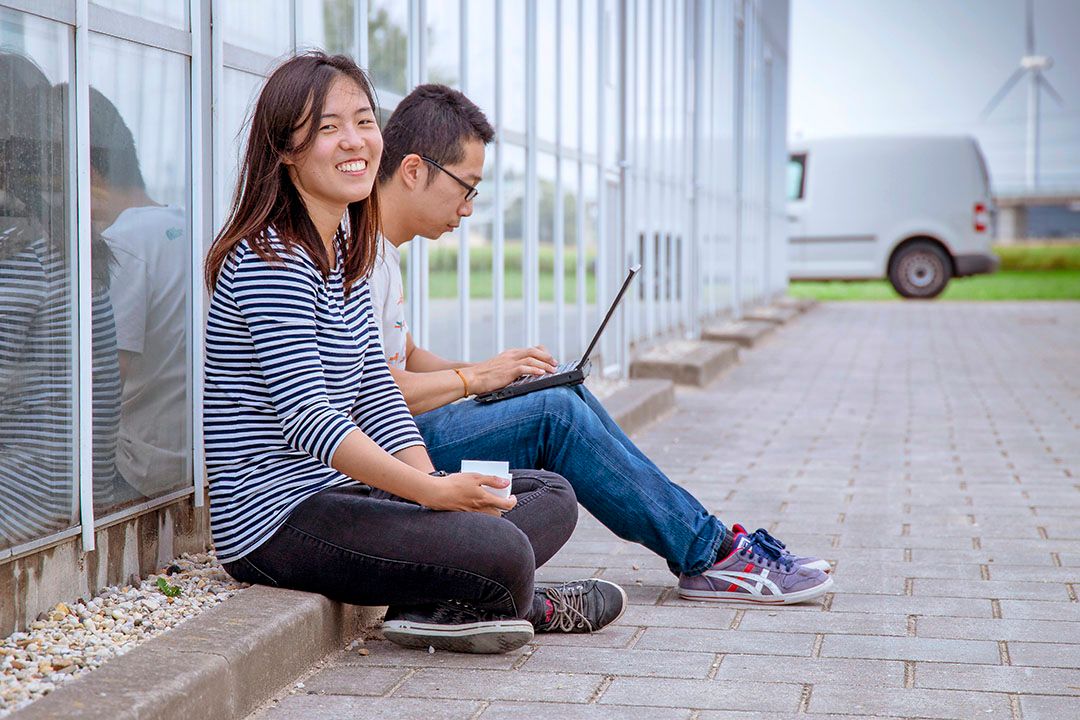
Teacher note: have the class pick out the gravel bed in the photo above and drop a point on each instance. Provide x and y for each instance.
(74, 638)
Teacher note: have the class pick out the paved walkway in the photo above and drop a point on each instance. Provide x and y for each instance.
(931, 451)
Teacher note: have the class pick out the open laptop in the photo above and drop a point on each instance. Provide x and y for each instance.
(570, 373)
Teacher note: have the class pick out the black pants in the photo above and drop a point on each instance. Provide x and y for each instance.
(367, 547)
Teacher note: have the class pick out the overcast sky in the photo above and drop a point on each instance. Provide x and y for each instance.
(925, 66)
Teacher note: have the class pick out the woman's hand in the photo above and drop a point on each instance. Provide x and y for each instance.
(507, 367)
(465, 492)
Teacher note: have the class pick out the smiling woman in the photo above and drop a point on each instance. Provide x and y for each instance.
(319, 479)
(289, 179)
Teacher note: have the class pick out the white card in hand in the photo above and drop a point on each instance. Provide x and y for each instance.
(497, 468)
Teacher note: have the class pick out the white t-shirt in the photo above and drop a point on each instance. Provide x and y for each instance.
(388, 303)
(150, 287)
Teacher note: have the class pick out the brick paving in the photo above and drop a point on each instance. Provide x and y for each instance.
(931, 451)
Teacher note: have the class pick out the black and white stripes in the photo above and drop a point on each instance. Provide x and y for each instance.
(292, 367)
(37, 491)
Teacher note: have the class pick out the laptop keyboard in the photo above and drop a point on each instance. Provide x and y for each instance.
(563, 367)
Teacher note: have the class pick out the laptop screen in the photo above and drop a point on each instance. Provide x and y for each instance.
(611, 310)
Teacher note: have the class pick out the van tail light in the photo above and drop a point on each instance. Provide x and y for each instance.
(981, 218)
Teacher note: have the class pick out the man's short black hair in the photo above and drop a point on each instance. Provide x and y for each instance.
(112, 146)
(435, 121)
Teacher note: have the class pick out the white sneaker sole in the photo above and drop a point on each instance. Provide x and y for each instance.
(488, 637)
(785, 599)
(822, 565)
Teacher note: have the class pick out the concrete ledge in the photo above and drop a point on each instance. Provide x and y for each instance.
(218, 666)
(800, 304)
(745, 333)
(686, 362)
(640, 403)
(775, 314)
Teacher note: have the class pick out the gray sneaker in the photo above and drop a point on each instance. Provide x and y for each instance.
(455, 627)
(748, 574)
(762, 537)
(583, 606)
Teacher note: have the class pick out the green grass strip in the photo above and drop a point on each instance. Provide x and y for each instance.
(1016, 285)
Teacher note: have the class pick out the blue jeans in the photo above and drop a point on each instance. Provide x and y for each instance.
(567, 431)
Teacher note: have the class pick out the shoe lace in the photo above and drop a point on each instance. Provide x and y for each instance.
(763, 538)
(568, 607)
(767, 555)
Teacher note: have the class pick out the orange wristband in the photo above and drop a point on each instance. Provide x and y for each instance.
(464, 382)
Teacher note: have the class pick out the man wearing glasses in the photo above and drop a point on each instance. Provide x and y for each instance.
(433, 159)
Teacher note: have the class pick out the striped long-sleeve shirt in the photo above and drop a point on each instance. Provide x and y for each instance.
(37, 491)
(292, 367)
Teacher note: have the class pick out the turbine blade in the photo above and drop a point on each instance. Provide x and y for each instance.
(1050, 89)
(1013, 79)
(1029, 26)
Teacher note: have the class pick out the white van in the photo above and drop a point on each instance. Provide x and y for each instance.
(916, 210)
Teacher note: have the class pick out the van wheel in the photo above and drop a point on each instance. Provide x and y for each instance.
(920, 270)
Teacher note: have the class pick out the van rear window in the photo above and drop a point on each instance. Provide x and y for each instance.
(796, 177)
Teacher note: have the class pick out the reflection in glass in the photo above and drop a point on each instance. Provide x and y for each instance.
(571, 73)
(388, 44)
(514, 245)
(328, 25)
(481, 50)
(444, 43)
(546, 83)
(173, 13)
(570, 231)
(545, 166)
(590, 94)
(139, 185)
(237, 101)
(610, 83)
(481, 229)
(513, 65)
(590, 207)
(260, 25)
(37, 493)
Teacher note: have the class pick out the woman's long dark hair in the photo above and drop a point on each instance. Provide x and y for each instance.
(265, 196)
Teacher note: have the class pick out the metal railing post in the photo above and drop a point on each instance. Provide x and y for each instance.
(530, 271)
(82, 293)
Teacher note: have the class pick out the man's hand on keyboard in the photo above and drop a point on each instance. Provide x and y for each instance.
(508, 366)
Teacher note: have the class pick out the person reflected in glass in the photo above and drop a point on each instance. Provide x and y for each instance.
(319, 479)
(150, 280)
(37, 455)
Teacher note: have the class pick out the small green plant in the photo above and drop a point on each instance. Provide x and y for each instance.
(166, 589)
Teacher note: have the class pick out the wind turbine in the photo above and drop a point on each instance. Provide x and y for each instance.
(1034, 66)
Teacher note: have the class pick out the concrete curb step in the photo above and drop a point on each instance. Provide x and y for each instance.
(220, 665)
(744, 333)
(640, 403)
(801, 304)
(777, 314)
(686, 362)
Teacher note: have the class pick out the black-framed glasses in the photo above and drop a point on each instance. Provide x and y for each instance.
(470, 190)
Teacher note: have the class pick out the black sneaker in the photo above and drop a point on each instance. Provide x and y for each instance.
(455, 627)
(583, 606)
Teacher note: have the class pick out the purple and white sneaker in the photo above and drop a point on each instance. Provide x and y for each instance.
(762, 538)
(757, 575)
